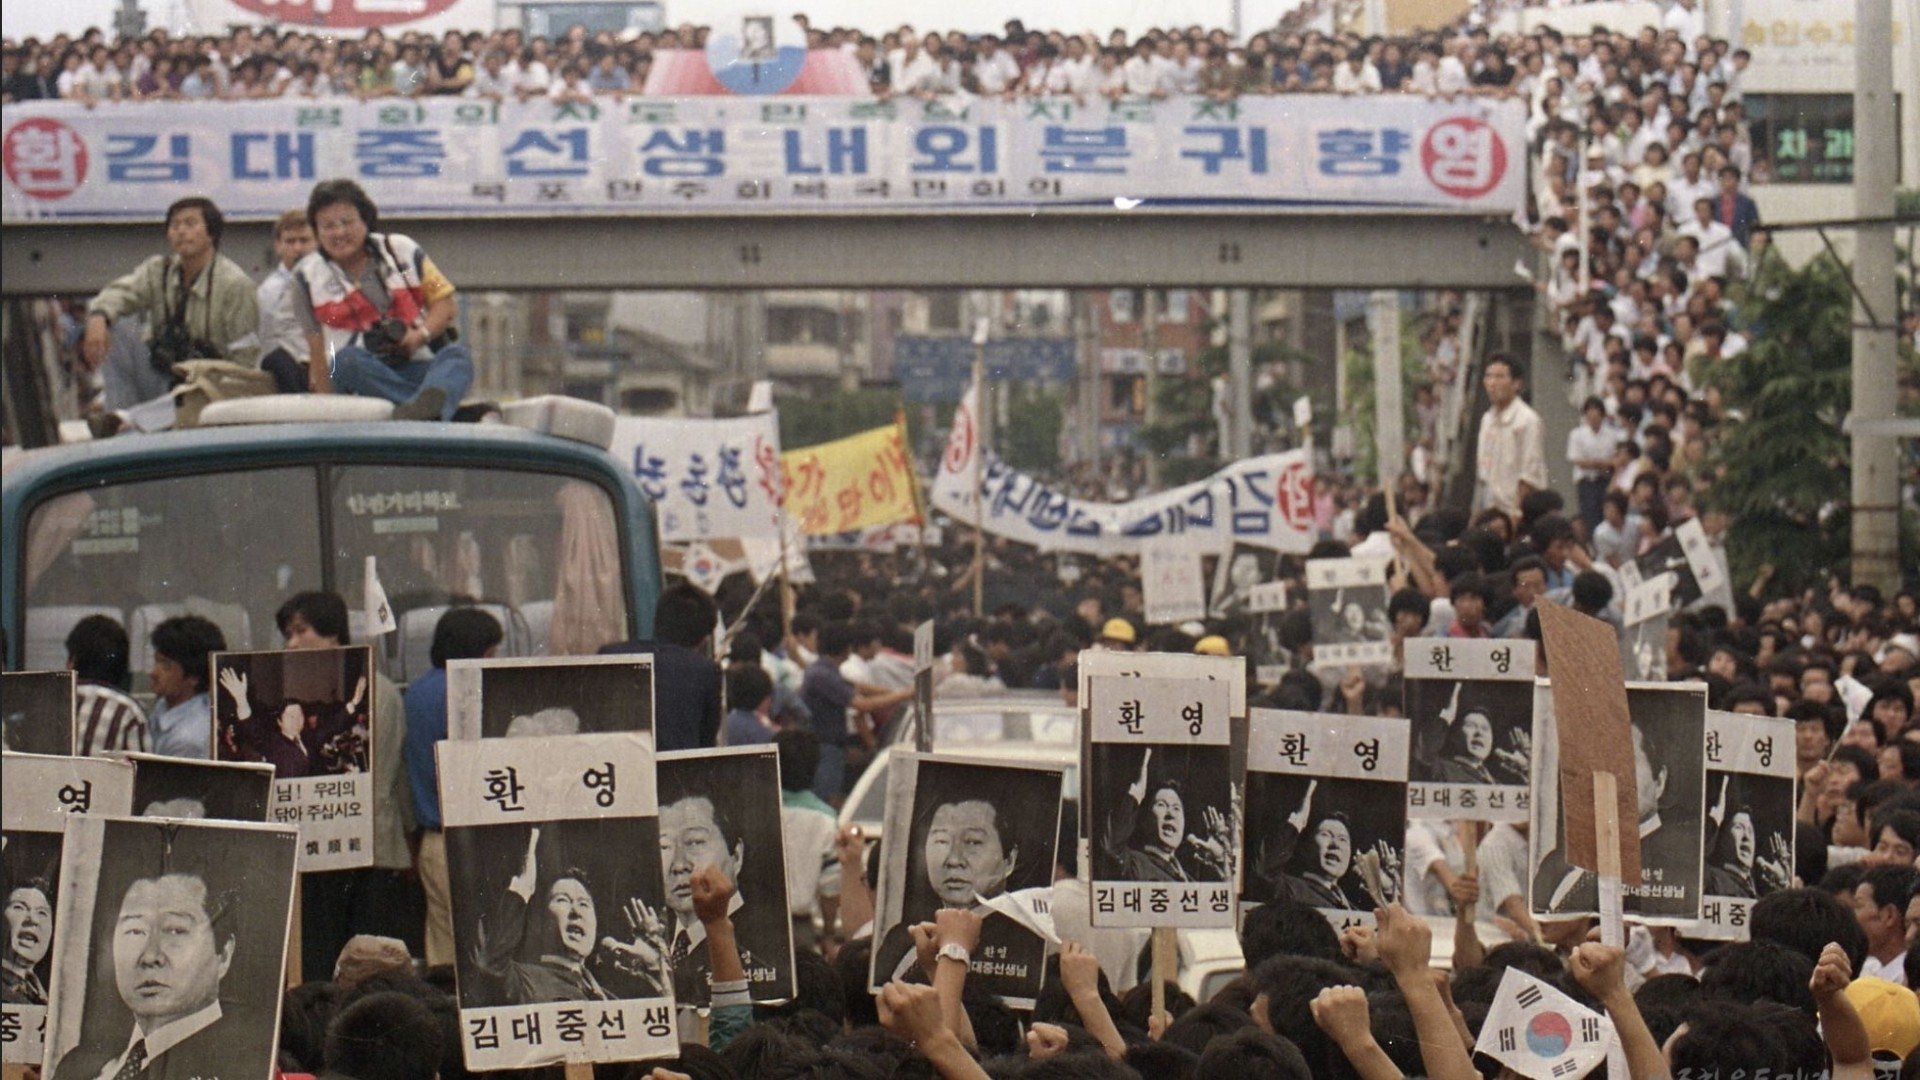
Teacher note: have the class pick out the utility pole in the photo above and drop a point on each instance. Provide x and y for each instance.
(1240, 372)
(1150, 343)
(1389, 424)
(980, 428)
(1876, 479)
(1087, 348)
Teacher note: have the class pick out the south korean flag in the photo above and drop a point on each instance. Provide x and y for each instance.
(1541, 1033)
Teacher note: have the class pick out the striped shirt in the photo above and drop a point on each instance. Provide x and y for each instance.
(106, 721)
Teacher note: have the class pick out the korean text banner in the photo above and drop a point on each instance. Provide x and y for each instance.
(852, 483)
(708, 478)
(453, 157)
(1262, 502)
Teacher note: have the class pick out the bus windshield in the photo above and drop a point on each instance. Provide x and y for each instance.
(538, 550)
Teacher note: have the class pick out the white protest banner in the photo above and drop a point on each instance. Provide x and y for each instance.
(1157, 785)
(707, 478)
(1348, 600)
(1541, 1033)
(310, 714)
(1750, 816)
(559, 905)
(942, 806)
(1470, 704)
(747, 155)
(1172, 586)
(1264, 502)
(42, 792)
(1327, 812)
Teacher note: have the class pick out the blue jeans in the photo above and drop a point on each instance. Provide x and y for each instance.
(357, 371)
(830, 777)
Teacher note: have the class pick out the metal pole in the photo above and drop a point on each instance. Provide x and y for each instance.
(979, 466)
(1149, 341)
(1089, 354)
(1240, 371)
(1389, 424)
(1876, 479)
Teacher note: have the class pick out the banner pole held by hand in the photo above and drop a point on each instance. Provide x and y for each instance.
(1166, 961)
(579, 1070)
(1606, 834)
(294, 945)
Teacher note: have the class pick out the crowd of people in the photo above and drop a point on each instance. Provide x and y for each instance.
(1019, 62)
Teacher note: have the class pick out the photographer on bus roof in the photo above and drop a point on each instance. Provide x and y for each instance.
(199, 304)
(378, 314)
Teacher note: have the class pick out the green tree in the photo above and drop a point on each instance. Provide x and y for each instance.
(810, 421)
(1360, 397)
(1780, 463)
(1030, 440)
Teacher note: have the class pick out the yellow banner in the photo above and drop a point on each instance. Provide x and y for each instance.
(853, 483)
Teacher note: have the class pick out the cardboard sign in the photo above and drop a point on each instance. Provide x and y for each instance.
(1326, 812)
(1172, 586)
(528, 696)
(1590, 698)
(42, 793)
(309, 713)
(1750, 820)
(36, 712)
(1348, 599)
(559, 911)
(979, 835)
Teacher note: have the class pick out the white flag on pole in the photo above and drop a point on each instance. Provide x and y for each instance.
(1541, 1033)
(374, 602)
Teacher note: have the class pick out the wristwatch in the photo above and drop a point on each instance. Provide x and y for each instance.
(952, 951)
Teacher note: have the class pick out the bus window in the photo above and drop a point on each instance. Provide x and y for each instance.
(537, 550)
(227, 546)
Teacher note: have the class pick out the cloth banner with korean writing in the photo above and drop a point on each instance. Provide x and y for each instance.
(42, 793)
(1263, 502)
(853, 483)
(565, 948)
(1541, 1033)
(1750, 820)
(1326, 812)
(310, 714)
(465, 157)
(1469, 702)
(708, 479)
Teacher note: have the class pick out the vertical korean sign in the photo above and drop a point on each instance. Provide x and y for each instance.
(41, 794)
(1157, 787)
(559, 904)
(1750, 814)
(309, 714)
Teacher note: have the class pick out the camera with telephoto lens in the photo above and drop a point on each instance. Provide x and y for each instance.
(383, 338)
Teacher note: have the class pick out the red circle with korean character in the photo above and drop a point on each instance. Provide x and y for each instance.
(44, 158)
(1464, 157)
(1293, 496)
(345, 14)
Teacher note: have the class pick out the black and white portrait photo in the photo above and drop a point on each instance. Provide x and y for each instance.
(527, 697)
(560, 917)
(756, 39)
(185, 788)
(1165, 819)
(42, 794)
(36, 712)
(306, 712)
(1348, 602)
(1644, 614)
(171, 950)
(1749, 819)
(721, 808)
(1470, 706)
(973, 835)
(1326, 812)
(1668, 722)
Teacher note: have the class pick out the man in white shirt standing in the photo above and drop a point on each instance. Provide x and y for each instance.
(1590, 447)
(1719, 251)
(1512, 453)
(283, 344)
(1142, 73)
(1354, 75)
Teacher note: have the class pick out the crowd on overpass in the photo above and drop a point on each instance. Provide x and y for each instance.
(1543, 67)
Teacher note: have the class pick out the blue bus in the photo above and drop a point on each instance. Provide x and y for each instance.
(547, 533)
